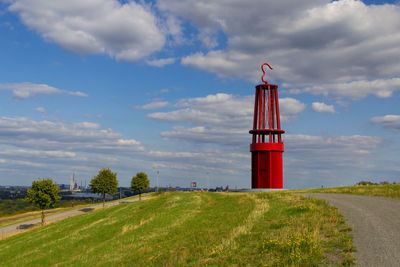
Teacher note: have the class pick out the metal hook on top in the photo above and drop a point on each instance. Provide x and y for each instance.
(262, 68)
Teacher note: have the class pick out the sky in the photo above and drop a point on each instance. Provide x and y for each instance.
(167, 87)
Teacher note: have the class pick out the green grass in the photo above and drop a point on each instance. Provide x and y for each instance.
(384, 190)
(179, 229)
(20, 210)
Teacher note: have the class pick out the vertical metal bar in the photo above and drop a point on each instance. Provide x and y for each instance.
(255, 115)
(269, 112)
(264, 110)
(260, 126)
(263, 114)
(273, 111)
(273, 108)
(278, 120)
(259, 112)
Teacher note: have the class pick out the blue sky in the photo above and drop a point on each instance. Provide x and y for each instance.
(168, 86)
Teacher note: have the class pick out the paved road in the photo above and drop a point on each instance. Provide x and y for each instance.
(376, 226)
(15, 228)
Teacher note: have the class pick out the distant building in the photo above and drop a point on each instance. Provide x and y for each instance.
(73, 185)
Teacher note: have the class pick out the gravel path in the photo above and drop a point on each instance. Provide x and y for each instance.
(18, 227)
(376, 226)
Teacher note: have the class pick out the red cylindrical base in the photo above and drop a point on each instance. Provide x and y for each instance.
(266, 166)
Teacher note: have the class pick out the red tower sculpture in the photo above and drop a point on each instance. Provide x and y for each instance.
(267, 146)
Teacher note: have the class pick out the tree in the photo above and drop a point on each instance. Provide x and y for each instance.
(104, 183)
(43, 194)
(140, 183)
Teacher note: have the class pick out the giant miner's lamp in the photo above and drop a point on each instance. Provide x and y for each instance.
(267, 146)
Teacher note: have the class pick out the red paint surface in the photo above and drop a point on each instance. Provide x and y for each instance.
(267, 146)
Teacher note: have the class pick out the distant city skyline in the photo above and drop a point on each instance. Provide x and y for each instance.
(167, 86)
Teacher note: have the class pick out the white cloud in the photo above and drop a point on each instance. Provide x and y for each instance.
(128, 142)
(220, 109)
(88, 125)
(311, 161)
(26, 90)
(322, 145)
(201, 160)
(155, 105)
(32, 149)
(391, 122)
(290, 108)
(125, 31)
(322, 107)
(20, 163)
(211, 135)
(312, 43)
(54, 149)
(174, 28)
(161, 62)
(38, 153)
(64, 136)
(382, 88)
(41, 110)
(223, 111)
(318, 159)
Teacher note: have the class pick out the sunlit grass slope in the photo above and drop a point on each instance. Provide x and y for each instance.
(384, 190)
(20, 214)
(176, 229)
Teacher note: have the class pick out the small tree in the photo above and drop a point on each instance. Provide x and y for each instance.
(140, 183)
(104, 183)
(43, 194)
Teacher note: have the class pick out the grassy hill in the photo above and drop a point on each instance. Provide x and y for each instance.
(272, 229)
(383, 190)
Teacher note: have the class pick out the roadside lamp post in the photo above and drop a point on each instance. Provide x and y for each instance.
(208, 181)
(157, 179)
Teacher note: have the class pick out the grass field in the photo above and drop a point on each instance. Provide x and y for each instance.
(22, 213)
(384, 190)
(175, 229)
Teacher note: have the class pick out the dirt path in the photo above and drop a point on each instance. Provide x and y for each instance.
(376, 226)
(18, 227)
